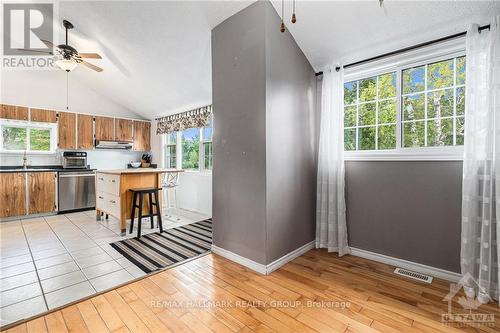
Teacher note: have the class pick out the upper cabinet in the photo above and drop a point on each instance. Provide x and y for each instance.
(124, 130)
(13, 112)
(104, 128)
(67, 130)
(85, 138)
(43, 116)
(142, 135)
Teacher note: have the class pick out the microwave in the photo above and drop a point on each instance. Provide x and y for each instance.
(74, 160)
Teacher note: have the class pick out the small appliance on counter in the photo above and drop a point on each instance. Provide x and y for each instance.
(74, 160)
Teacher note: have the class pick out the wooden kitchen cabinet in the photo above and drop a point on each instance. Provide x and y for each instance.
(124, 130)
(85, 135)
(142, 135)
(104, 128)
(43, 116)
(42, 192)
(13, 112)
(12, 194)
(67, 130)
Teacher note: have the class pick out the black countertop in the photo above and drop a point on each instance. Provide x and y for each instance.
(41, 168)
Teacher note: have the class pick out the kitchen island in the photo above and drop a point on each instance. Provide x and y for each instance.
(113, 196)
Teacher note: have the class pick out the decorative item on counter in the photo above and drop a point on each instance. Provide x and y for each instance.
(146, 160)
(135, 164)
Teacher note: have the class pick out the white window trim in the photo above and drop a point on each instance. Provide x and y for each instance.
(435, 53)
(30, 125)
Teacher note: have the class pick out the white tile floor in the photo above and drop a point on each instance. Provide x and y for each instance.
(47, 262)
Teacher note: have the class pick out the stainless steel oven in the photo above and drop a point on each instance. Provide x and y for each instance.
(74, 160)
(76, 190)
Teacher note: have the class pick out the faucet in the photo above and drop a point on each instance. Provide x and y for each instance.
(25, 159)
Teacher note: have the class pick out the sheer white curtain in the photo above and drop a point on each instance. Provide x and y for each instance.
(331, 230)
(481, 170)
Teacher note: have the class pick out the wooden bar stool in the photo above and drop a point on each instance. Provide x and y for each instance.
(140, 192)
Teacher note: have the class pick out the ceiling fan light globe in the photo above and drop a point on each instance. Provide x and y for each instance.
(66, 64)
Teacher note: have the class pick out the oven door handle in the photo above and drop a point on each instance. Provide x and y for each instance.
(77, 175)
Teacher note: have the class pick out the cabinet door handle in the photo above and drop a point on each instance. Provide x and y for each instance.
(100, 178)
(101, 197)
(112, 201)
(113, 181)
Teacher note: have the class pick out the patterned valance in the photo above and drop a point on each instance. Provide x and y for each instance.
(178, 122)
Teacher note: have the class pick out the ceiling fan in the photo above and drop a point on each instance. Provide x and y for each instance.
(68, 56)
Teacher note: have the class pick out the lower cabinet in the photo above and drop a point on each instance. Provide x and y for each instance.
(12, 194)
(42, 192)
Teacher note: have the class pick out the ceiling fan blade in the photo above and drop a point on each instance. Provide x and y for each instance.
(89, 55)
(49, 44)
(37, 51)
(89, 65)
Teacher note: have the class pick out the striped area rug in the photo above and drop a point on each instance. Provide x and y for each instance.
(154, 251)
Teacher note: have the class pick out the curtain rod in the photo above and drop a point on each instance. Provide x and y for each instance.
(406, 49)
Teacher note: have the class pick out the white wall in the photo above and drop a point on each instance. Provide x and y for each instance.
(195, 188)
(47, 89)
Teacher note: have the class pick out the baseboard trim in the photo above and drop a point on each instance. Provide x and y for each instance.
(261, 268)
(254, 266)
(289, 257)
(421, 268)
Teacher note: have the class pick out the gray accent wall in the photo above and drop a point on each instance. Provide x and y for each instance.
(406, 209)
(265, 137)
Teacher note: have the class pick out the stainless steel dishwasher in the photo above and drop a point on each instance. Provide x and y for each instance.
(76, 190)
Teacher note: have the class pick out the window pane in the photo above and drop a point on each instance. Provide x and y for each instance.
(440, 132)
(208, 155)
(461, 70)
(387, 111)
(387, 137)
(171, 156)
(40, 139)
(414, 134)
(350, 139)
(367, 89)
(460, 101)
(207, 131)
(14, 138)
(172, 138)
(440, 103)
(366, 138)
(190, 148)
(349, 116)
(413, 80)
(413, 107)
(440, 74)
(387, 85)
(367, 114)
(460, 130)
(350, 92)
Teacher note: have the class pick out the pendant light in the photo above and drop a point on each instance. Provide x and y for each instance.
(282, 27)
(294, 18)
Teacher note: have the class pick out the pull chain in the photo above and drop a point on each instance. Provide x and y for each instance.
(67, 90)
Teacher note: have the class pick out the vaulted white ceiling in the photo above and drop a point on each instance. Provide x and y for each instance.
(157, 53)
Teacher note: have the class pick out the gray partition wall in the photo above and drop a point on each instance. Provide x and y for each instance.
(265, 140)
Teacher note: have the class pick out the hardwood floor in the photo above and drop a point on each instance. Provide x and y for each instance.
(317, 292)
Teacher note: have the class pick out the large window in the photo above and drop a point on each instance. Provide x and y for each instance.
(190, 149)
(21, 136)
(426, 108)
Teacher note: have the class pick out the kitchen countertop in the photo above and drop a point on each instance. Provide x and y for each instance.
(139, 170)
(41, 168)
